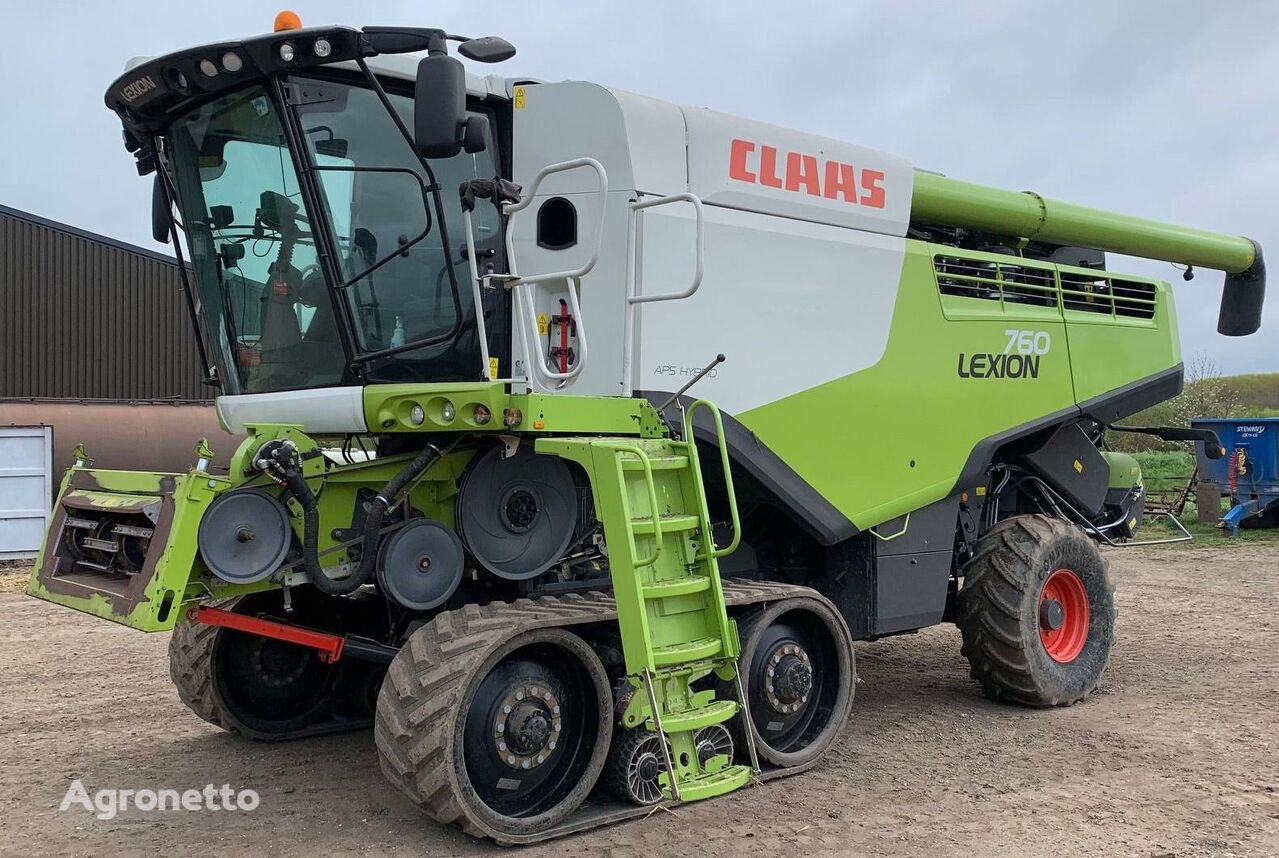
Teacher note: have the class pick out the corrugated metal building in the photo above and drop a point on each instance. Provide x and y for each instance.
(95, 341)
(83, 316)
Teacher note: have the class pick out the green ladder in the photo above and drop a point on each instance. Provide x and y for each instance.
(670, 603)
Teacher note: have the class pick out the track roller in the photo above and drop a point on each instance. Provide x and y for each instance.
(634, 765)
(798, 675)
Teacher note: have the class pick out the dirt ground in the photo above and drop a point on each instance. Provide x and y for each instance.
(1177, 755)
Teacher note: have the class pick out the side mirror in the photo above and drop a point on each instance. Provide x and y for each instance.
(475, 135)
(160, 215)
(439, 106)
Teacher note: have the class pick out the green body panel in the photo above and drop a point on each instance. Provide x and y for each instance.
(1107, 352)
(895, 437)
(1125, 472)
(387, 408)
(1025, 215)
(173, 559)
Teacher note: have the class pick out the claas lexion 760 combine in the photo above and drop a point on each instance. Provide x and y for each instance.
(560, 584)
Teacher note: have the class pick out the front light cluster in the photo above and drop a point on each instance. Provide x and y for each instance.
(321, 48)
(231, 62)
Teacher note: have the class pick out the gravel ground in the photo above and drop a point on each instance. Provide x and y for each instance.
(1177, 755)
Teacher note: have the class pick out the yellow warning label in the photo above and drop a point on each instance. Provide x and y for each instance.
(519, 97)
(495, 366)
(541, 323)
(981, 491)
(1079, 467)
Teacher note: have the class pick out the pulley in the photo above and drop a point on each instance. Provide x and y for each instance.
(244, 536)
(420, 565)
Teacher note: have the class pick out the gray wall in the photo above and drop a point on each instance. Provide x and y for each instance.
(86, 317)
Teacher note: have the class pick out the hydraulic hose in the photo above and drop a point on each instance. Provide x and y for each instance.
(282, 460)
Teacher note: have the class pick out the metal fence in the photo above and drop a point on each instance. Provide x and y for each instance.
(85, 317)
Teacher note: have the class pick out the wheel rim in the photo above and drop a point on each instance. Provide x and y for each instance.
(786, 685)
(713, 741)
(271, 685)
(1063, 616)
(643, 770)
(531, 728)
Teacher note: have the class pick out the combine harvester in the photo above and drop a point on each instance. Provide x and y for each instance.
(457, 317)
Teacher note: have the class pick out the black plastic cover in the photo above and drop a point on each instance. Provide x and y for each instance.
(1071, 463)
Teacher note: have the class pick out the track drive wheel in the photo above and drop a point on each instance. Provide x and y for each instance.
(502, 734)
(798, 674)
(1037, 612)
(259, 687)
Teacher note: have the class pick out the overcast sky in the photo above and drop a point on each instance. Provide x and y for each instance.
(1163, 109)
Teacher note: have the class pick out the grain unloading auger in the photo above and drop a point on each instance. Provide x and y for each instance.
(559, 591)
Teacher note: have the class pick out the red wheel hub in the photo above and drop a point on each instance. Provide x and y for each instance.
(1063, 616)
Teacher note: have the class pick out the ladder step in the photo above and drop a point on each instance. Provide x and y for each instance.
(677, 587)
(692, 720)
(670, 523)
(658, 463)
(710, 785)
(693, 650)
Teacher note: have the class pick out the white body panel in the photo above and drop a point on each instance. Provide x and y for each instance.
(321, 410)
(26, 489)
(791, 304)
(803, 253)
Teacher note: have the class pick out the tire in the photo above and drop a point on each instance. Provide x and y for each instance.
(1021, 567)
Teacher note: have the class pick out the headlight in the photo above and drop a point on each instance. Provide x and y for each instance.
(231, 62)
(323, 48)
(208, 69)
(287, 52)
(417, 416)
(447, 412)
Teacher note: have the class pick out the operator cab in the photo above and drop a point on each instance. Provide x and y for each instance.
(326, 242)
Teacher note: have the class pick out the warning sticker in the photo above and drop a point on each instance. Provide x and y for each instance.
(519, 97)
(541, 323)
(494, 367)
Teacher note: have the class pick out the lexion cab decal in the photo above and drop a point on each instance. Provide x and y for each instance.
(1019, 359)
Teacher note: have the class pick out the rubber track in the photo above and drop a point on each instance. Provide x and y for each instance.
(418, 705)
(190, 659)
(996, 580)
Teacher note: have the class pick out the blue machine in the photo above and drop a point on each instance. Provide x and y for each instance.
(1248, 471)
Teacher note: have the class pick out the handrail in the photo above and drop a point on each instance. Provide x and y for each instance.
(728, 473)
(632, 250)
(526, 200)
(636, 560)
(700, 244)
(524, 304)
(476, 295)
